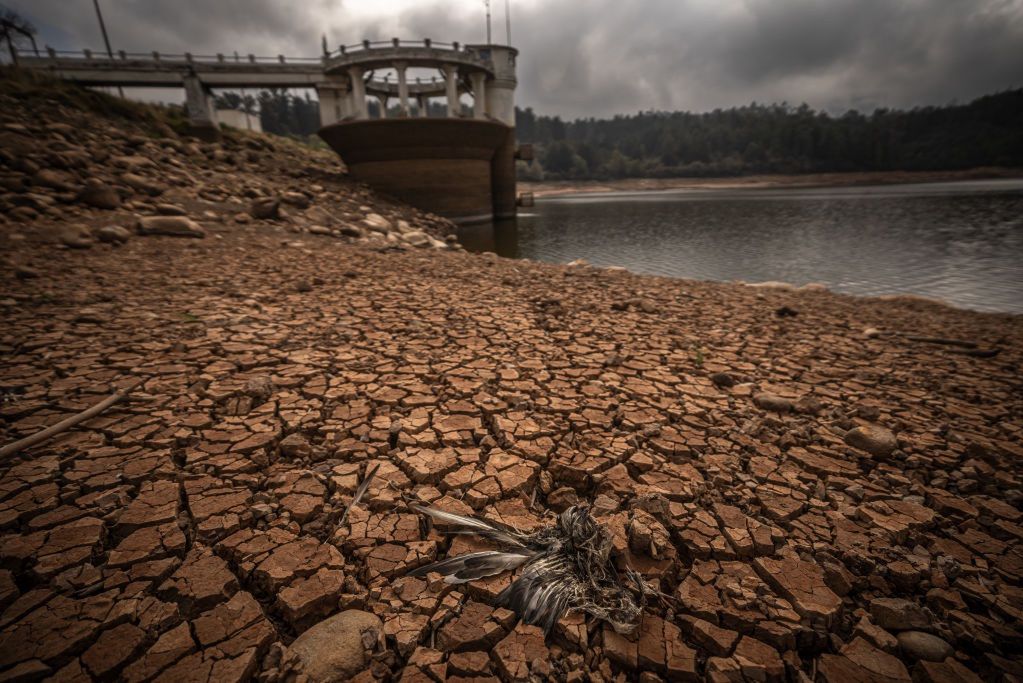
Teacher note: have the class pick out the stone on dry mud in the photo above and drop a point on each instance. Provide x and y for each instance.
(926, 646)
(173, 226)
(873, 439)
(337, 648)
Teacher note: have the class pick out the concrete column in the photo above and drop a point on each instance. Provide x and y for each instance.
(501, 90)
(382, 99)
(424, 105)
(202, 112)
(451, 81)
(402, 87)
(479, 95)
(345, 104)
(359, 108)
(330, 105)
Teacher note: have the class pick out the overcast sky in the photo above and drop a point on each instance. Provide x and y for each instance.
(602, 57)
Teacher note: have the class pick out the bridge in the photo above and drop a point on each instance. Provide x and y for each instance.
(338, 77)
(453, 156)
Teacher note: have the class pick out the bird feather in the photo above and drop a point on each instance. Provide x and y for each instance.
(471, 525)
(360, 492)
(472, 566)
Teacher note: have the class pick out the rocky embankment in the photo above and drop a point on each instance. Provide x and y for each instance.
(87, 177)
(825, 487)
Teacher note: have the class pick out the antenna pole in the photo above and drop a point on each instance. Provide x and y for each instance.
(103, 29)
(487, 4)
(507, 20)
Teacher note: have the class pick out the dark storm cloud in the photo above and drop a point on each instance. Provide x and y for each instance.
(599, 57)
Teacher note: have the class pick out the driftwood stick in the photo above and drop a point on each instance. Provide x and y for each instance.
(64, 425)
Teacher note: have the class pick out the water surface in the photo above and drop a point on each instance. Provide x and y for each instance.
(961, 242)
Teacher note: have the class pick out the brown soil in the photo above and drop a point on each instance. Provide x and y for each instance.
(823, 485)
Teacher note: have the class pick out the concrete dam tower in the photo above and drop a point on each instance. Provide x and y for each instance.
(460, 166)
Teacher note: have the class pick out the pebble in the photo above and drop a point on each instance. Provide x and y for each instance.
(174, 226)
(334, 650)
(100, 196)
(113, 234)
(873, 439)
(898, 614)
(920, 645)
(773, 402)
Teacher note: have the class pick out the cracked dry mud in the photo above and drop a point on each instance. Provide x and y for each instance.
(824, 497)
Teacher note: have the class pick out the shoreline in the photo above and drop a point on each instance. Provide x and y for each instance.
(556, 188)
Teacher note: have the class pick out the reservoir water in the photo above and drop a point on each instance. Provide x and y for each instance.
(960, 242)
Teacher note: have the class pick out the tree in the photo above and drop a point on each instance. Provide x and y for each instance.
(14, 29)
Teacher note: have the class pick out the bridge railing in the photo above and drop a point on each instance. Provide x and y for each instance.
(101, 56)
(396, 42)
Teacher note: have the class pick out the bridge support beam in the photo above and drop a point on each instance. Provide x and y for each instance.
(332, 94)
(202, 112)
(424, 105)
(451, 83)
(359, 108)
(402, 88)
(479, 95)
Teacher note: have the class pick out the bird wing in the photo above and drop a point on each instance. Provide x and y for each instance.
(462, 568)
(546, 588)
(471, 525)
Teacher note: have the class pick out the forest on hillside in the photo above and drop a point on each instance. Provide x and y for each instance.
(775, 138)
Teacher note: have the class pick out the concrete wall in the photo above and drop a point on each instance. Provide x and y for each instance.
(438, 165)
(240, 120)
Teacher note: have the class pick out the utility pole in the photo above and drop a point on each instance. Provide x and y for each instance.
(507, 20)
(106, 39)
(487, 4)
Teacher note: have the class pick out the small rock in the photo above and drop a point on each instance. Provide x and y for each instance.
(26, 272)
(113, 234)
(722, 379)
(351, 231)
(76, 238)
(98, 195)
(296, 199)
(898, 614)
(773, 402)
(303, 286)
(919, 645)
(266, 208)
(295, 446)
(54, 180)
(144, 185)
(319, 230)
(377, 223)
(333, 650)
(417, 238)
(873, 439)
(786, 312)
(174, 226)
(170, 210)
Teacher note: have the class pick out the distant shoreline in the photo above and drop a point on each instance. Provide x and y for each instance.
(567, 187)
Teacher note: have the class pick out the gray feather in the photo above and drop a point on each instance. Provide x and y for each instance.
(471, 525)
(360, 492)
(472, 566)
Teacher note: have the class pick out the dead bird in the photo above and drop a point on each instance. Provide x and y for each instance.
(566, 566)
